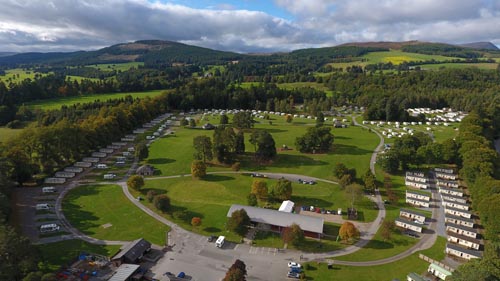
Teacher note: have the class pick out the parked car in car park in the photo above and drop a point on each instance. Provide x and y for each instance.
(294, 275)
(294, 264)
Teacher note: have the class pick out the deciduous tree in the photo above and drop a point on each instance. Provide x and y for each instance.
(283, 189)
(293, 234)
(162, 202)
(198, 169)
(348, 231)
(259, 188)
(203, 148)
(239, 222)
(135, 182)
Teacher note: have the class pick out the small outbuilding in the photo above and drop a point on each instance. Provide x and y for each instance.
(438, 271)
(132, 252)
(145, 170)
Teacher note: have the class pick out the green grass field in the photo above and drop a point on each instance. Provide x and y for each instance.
(55, 255)
(6, 133)
(58, 102)
(116, 66)
(353, 146)
(398, 57)
(89, 208)
(390, 271)
(211, 198)
(490, 66)
(16, 75)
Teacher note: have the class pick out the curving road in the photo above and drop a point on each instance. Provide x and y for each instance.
(188, 248)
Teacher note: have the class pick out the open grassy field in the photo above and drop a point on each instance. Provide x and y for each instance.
(398, 57)
(116, 66)
(6, 133)
(58, 102)
(211, 198)
(16, 75)
(55, 255)
(79, 79)
(353, 146)
(390, 271)
(92, 208)
(490, 66)
(299, 85)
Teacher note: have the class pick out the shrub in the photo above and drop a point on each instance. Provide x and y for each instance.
(162, 202)
(151, 195)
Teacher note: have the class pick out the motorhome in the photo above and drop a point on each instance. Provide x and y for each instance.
(48, 189)
(220, 241)
(51, 227)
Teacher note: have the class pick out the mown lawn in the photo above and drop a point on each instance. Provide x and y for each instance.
(353, 146)
(211, 198)
(58, 102)
(90, 208)
(55, 255)
(390, 271)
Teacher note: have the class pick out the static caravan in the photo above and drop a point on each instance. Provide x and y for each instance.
(463, 240)
(418, 185)
(447, 183)
(99, 154)
(458, 251)
(456, 205)
(403, 223)
(412, 215)
(42, 206)
(463, 230)
(417, 195)
(451, 191)
(109, 176)
(458, 220)
(418, 203)
(453, 198)
(412, 276)
(457, 212)
(102, 166)
(438, 271)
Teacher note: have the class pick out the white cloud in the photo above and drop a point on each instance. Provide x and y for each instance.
(41, 25)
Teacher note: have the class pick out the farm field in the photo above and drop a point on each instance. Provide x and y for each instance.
(55, 255)
(68, 101)
(6, 133)
(103, 212)
(391, 271)
(353, 146)
(299, 85)
(398, 57)
(459, 65)
(116, 66)
(17, 75)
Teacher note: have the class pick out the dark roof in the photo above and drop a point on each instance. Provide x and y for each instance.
(145, 169)
(464, 250)
(462, 227)
(409, 222)
(411, 212)
(273, 217)
(133, 250)
(446, 215)
(463, 237)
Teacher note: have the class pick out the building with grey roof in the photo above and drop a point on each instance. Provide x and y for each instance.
(312, 226)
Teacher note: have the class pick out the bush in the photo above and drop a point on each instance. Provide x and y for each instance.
(236, 166)
(252, 199)
(16, 124)
(196, 221)
(162, 202)
(151, 195)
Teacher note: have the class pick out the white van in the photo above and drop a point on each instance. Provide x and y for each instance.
(102, 166)
(48, 189)
(220, 241)
(51, 227)
(109, 176)
(43, 206)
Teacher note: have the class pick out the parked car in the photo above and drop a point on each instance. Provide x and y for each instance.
(294, 275)
(211, 238)
(294, 264)
(258, 175)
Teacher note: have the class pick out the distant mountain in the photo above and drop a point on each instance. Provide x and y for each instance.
(384, 44)
(480, 46)
(4, 54)
(147, 51)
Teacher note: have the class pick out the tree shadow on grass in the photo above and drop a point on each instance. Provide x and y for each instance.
(158, 161)
(183, 214)
(291, 161)
(145, 191)
(349, 149)
(217, 178)
(308, 201)
(212, 229)
(378, 244)
(78, 217)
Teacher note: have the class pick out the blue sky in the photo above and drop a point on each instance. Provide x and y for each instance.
(242, 26)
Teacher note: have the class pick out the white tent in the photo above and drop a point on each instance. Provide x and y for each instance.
(286, 206)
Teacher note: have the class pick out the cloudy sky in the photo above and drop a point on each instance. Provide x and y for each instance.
(242, 25)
